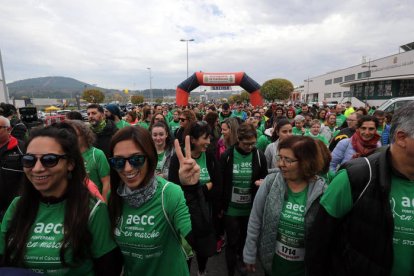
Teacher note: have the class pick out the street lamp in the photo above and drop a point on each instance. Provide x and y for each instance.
(307, 92)
(3, 80)
(150, 80)
(186, 41)
(369, 66)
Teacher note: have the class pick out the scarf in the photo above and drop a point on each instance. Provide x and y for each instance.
(363, 148)
(99, 127)
(138, 197)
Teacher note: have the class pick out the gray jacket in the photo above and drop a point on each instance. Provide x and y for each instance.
(265, 214)
(270, 153)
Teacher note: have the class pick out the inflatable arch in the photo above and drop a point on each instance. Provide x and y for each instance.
(218, 79)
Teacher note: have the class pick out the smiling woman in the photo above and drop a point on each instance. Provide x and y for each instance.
(56, 227)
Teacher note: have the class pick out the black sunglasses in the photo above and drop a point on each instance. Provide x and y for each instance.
(183, 119)
(48, 160)
(136, 161)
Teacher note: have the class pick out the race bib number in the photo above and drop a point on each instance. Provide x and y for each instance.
(241, 195)
(290, 253)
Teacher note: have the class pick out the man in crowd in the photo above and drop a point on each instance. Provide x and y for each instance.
(365, 225)
(383, 128)
(340, 117)
(347, 132)
(238, 111)
(225, 112)
(348, 109)
(113, 112)
(11, 171)
(18, 128)
(103, 128)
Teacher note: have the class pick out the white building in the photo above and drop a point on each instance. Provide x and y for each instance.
(372, 81)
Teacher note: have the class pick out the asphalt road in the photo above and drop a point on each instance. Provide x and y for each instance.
(216, 266)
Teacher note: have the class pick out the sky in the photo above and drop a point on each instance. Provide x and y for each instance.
(112, 43)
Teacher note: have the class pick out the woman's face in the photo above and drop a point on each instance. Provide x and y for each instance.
(290, 114)
(279, 113)
(285, 132)
(183, 121)
(315, 128)
(332, 120)
(201, 144)
(288, 164)
(128, 118)
(131, 176)
(158, 118)
(225, 130)
(159, 136)
(51, 181)
(322, 115)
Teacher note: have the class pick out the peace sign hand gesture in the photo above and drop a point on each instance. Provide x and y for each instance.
(189, 172)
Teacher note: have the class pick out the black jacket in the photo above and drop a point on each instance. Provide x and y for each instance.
(259, 171)
(104, 137)
(11, 172)
(360, 243)
(197, 198)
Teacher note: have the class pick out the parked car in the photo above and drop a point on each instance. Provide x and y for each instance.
(395, 103)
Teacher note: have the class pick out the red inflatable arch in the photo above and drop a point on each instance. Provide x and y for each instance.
(218, 79)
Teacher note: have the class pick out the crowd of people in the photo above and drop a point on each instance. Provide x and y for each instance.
(302, 190)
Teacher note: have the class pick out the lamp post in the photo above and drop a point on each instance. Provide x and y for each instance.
(150, 81)
(308, 80)
(3, 80)
(186, 41)
(369, 66)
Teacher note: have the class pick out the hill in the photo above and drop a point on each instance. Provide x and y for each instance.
(44, 87)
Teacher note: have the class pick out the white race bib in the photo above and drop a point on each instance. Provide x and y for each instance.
(290, 253)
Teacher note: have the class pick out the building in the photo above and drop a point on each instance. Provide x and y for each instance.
(372, 81)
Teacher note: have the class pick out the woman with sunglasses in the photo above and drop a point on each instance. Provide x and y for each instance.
(210, 188)
(187, 117)
(149, 215)
(56, 227)
(284, 208)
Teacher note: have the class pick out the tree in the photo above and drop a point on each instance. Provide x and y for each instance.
(234, 98)
(93, 96)
(245, 96)
(276, 89)
(137, 99)
(158, 101)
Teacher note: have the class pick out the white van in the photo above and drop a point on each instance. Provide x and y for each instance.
(394, 104)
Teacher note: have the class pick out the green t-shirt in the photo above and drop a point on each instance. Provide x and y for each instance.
(241, 197)
(143, 124)
(174, 126)
(289, 258)
(96, 165)
(242, 115)
(337, 201)
(297, 131)
(46, 235)
(204, 175)
(340, 119)
(122, 124)
(262, 142)
(319, 137)
(146, 240)
(160, 162)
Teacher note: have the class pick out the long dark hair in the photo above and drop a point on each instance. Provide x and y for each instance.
(77, 208)
(168, 140)
(142, 138)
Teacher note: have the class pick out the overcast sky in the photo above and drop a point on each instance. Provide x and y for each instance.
(111, 43)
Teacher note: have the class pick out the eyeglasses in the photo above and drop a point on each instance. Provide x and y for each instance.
(183, 119)
(48, 160)
(287, 161)
(136, 161)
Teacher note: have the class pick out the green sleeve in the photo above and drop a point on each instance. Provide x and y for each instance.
(177, 209)
(100, 228)
(337, 199)
(262, 142)
(103, 165)
(5, 223)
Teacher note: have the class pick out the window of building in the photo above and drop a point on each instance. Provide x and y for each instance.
(328, 82)
(365, 74)
(336, 94)
(347, 94)
(327, 95)
(350, 77)
(336, 80)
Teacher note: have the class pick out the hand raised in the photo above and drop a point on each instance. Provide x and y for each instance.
(189, 172)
